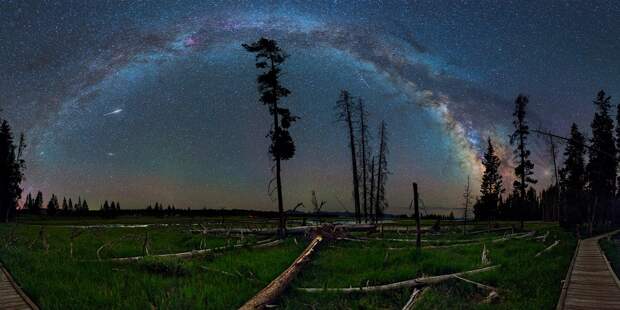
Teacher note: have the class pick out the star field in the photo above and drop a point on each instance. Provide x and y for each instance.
(144, 101)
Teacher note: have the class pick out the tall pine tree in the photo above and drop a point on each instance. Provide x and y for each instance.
(523, 165)
(270, 57)
(491, 188)
(602, 164)
(573, 180)
(11, 171)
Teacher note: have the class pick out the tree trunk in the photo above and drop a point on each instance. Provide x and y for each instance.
(418, 242)
(356, 193)
(276, 129)
(273, 291)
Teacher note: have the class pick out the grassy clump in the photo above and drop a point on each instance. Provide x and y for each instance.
(611, 247)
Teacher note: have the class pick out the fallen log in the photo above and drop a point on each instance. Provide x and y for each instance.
(298, 230)
(195, 253)
(548, 248)
(422, 281)
(478, 285)
(272, 291)
(515, 236)
(442, 242)
(488, 230)
(415, 296)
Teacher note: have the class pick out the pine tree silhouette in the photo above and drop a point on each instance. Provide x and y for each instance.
(602, 164)
(11, 171)
(574, 180)
(491, 187)
(523, 166)
(270, 57)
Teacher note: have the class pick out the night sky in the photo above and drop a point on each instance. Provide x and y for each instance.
(144, 101)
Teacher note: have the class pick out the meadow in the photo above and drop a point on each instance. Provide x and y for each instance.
(66, 264)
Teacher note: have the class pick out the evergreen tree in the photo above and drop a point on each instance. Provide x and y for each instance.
(29, 202)
(71, 208)
(523, 166)
(11, 171)
(345, 114)
(270, 57)
(52, 205)
(38, 202)
(574, 180)
(601, 168)
(65, 206)
(84, 207)
(491, 189)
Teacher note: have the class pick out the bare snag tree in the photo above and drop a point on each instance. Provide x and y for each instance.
(345, 113)
(467, 198)
(364, 152)
(269, 58)
(381, 173)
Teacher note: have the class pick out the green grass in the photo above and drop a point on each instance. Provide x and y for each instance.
(524, 282)
(611, 248)
(55, 281)
(227, 279)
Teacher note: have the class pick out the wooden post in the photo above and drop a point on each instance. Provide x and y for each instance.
(417, 215)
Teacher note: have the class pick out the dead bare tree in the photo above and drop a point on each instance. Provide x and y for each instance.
(364, 152)
(467, 197)
(344, 108)
(371, 197)
(379, 200)
(317, 206)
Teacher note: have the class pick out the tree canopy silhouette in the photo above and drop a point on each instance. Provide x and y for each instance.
(270, 57)
(523, 165)
(11, 171)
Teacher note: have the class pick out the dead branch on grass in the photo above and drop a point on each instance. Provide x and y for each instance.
(415, 296)
(548, 248)
(418, 282)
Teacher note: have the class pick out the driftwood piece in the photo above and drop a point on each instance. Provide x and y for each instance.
(418, 282)
(194, 253)
(488, 230)
(548, 248)
(543, 238)
(415, 296)
(298, 230)
(515, 236)
(274, 289)
(486, 260)
(491, 298)
(478, 285)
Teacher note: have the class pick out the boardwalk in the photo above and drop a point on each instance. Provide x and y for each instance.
(11, 296)
(590, 282)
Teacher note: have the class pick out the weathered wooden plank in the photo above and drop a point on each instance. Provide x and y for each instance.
(590, 282)
(11, 295)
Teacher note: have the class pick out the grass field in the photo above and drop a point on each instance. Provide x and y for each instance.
(611, 247)
(226, 279)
